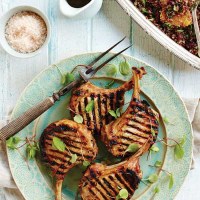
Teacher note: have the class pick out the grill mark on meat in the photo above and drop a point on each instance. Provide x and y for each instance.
(103, 189)
(127, 141)
(124, 183)
(132, 178)
(140, 127)
(110, 186)
(146, 122)
(99, 110)
(135, 131)
(107, 190)
(116, 181)
(91, 191)
(88, 120)
(96, 114)
(91, 115)
(103, 109)
(98, 189)
(136, 134)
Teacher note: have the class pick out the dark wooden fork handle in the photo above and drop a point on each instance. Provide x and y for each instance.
(26, 118)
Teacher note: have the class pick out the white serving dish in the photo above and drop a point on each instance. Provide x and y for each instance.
(5, 18)
(158, 35)
(86, 11)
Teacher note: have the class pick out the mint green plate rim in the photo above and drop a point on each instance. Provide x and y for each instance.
(32, 184)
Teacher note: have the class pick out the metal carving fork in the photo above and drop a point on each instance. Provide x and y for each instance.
(31, 114)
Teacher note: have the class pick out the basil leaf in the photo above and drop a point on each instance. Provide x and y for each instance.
(123, 194)
(12, 142)
(132, 148)
(118, 113)
(73, 158)
(171, 181)
(110, 84)
(156, 190)
(58, 144)
(112, 113)
(31, 151)
(179, 151)
(158, 164)
(183, 140)
(166, 120)
(78, 118)
(153, 178)
(154, 148)
(153, 132)
(124, 68)
(144, 2)
(111, 70)
(90, 106)
(67, 78)
(86, 163)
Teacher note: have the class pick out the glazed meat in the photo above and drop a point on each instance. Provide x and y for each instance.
(137, 125)
(103, 99)
(102, 182)
(78, 141)
(177, 14)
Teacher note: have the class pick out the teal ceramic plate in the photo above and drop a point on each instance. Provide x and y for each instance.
(36, 183)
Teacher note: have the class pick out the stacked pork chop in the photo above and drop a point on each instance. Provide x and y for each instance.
(135, 126)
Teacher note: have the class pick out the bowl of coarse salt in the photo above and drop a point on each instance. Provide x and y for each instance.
(24, 31)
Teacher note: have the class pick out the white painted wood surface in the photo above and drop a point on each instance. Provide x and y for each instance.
(70, 37)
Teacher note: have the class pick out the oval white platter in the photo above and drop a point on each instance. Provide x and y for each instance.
(158, 35)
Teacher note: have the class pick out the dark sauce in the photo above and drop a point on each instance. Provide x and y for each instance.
(78, 3)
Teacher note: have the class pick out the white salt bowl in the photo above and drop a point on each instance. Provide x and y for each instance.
(3, 21)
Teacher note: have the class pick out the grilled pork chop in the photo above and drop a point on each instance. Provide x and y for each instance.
(138, 124)
(78, 140)
(104, 100)
(102, 182)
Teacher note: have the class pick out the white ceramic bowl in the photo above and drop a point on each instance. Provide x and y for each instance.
(3, 21)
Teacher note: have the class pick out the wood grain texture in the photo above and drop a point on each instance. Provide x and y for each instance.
(70, 37)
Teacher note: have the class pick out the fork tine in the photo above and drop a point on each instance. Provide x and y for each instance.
(104, 53)
(93, 71)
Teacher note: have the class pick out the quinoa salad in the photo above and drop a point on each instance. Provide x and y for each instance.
(174, 18)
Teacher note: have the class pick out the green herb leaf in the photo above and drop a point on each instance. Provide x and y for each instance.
(154, 148)
(178, 151)
(153, 132)
(132, 148)
(78, 118)
(156, 190)
(124, 68)
(90, 106)
(58, 144)
(144, 2)
(158, 164)
(12, 142)
(67, 78)
(171, 181)
(118, 113)
(153, 178)
(123, 194)
(182, 142)
(166, 120)
(31, 151)
(86, 163)
(111, 70)
(73, 158)
(110, 84)
(112, 113)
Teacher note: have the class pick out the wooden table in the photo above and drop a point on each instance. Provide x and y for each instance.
(70, 37)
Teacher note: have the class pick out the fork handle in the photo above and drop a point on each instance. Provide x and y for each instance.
(26, 118)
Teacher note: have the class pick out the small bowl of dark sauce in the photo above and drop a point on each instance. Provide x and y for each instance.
(80, 9)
